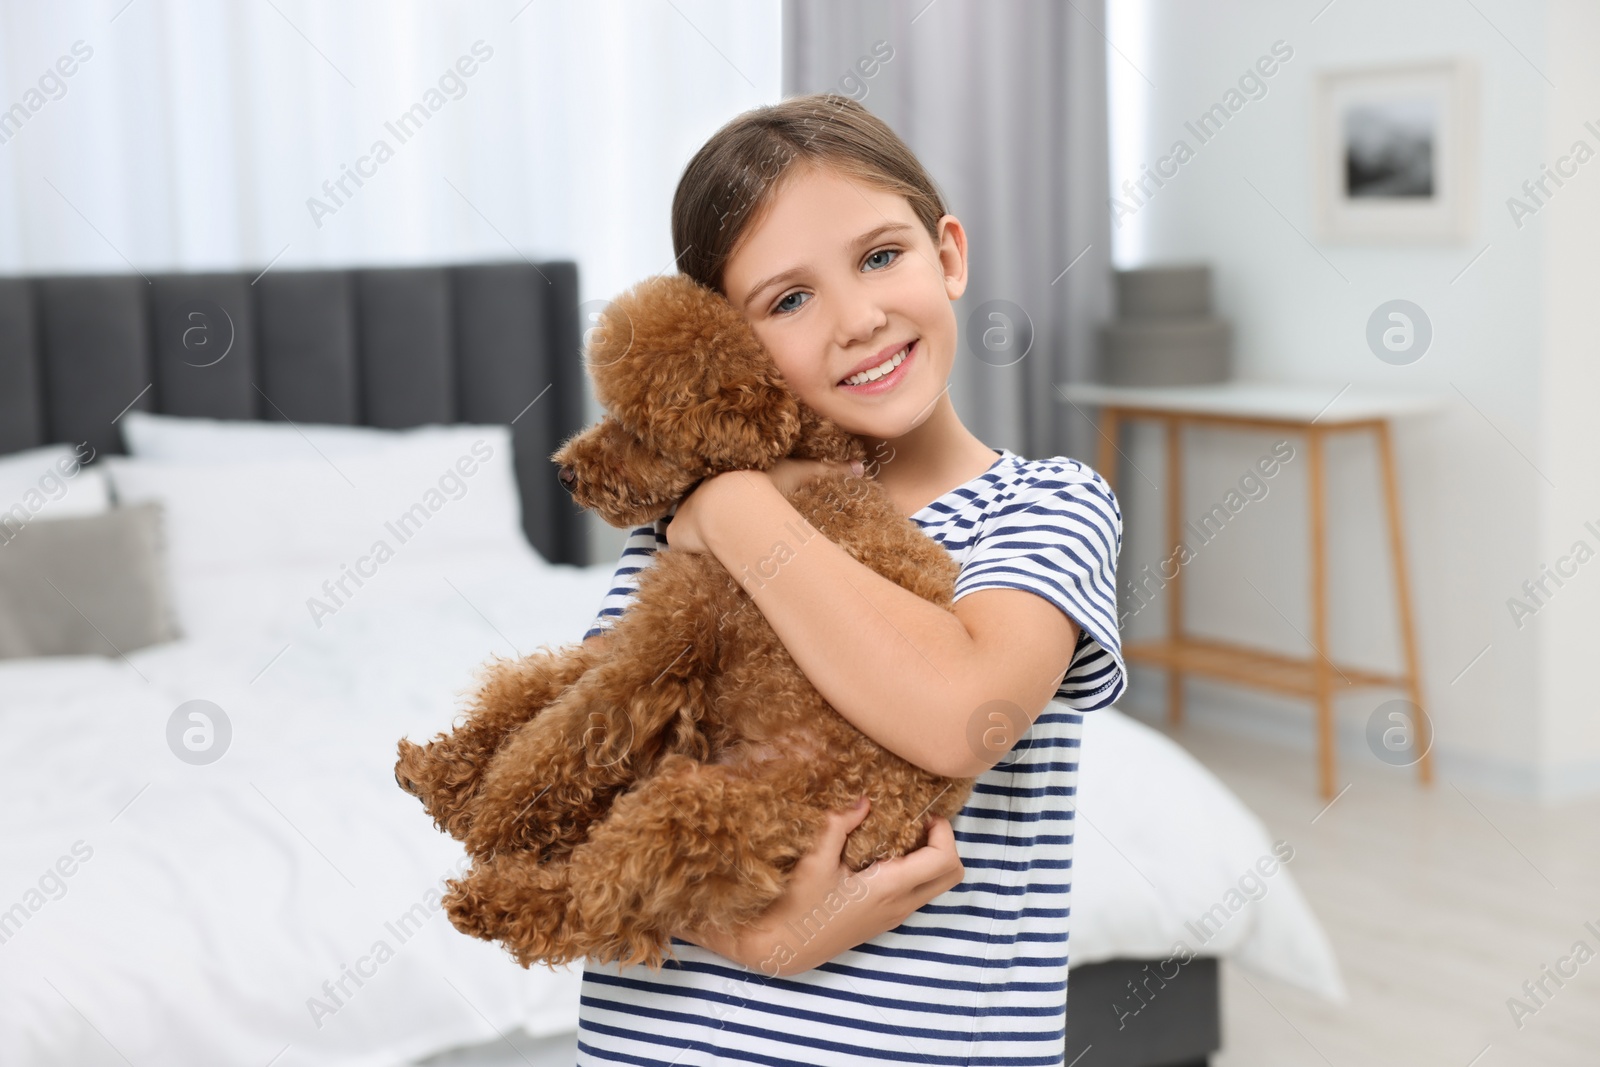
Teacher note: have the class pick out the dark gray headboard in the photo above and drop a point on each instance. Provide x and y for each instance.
(376, 347)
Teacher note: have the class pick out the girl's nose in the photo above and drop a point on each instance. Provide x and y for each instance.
(859, 318)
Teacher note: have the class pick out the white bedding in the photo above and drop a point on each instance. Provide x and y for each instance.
(1165, 853)
(216, 900)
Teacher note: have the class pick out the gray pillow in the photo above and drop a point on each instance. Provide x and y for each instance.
(88, 585)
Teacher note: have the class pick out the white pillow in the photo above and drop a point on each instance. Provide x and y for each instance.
(198, 440)
(49, 483)
(422, 498)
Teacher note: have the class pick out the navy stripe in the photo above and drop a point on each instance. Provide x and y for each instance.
(1003, 889)
(956, 959)
(993, 913)
(1021, 791)
(959, 934)
(1015, 865)
(1024, 816)
(729, 974)
(917, 978)
(968, 837)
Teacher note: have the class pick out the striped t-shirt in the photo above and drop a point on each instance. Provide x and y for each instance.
(978, 975)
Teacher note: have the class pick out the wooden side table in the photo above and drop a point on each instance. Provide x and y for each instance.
(1310, 411)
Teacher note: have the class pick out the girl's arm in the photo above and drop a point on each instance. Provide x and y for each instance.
(950, 691)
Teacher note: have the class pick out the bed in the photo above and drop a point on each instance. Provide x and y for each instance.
(276, 902)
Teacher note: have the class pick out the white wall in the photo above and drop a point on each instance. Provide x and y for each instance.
(1513, 351)
(1568, 631)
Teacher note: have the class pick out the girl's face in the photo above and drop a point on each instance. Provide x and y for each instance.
(838, 276)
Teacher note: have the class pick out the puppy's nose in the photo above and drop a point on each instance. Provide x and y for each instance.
(567, 477)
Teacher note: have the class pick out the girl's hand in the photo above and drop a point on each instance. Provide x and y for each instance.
(875, 900)
(686, 528)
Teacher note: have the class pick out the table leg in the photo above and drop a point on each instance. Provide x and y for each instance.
(1402, 588)
(1108, 425)
(1319, 613)
(1175, 586)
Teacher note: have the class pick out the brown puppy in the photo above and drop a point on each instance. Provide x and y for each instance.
(673, 779)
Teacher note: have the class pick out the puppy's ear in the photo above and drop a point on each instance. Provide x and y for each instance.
(681, 369)
(822, 438)
(627, 482)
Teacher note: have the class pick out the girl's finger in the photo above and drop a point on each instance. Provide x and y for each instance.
(838, 827)
(925, 863)
(916, 868)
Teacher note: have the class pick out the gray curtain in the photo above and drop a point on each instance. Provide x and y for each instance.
(1005, 104)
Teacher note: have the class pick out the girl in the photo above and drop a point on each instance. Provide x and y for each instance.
(824, 230)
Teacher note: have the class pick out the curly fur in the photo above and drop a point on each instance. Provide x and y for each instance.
(672, 779)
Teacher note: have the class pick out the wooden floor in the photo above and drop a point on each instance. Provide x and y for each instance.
(1440, 904)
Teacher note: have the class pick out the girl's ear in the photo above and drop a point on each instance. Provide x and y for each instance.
(953, 256)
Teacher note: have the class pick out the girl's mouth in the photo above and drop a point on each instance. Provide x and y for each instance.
(882, 384)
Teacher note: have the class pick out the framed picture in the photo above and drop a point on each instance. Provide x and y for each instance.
(1395, 153)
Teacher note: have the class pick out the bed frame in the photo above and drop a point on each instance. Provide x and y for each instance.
(392, 348)
(1178, 1022)
(401, 347)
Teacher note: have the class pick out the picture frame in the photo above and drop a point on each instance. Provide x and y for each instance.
(1395, 153)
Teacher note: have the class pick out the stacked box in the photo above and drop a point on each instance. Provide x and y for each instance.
(1164, 333)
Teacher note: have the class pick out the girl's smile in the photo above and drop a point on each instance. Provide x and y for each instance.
(873, 378)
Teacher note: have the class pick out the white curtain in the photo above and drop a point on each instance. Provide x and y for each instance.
(198, 134)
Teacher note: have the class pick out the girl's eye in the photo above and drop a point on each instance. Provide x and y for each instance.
(875, 261)
(883, 252)
(784, 306)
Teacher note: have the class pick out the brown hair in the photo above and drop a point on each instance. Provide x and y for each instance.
(732, 177)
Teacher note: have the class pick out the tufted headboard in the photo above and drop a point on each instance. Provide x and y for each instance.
(392, 348)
